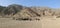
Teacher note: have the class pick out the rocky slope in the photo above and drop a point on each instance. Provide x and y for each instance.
(20, 11)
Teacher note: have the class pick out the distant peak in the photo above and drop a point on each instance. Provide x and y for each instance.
(15, 5)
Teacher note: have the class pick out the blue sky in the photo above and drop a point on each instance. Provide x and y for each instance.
(47, 3)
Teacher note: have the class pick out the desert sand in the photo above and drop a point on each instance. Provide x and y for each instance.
(42, 23)
(8, 23)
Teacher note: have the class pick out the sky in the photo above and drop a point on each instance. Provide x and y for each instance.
(47, 3)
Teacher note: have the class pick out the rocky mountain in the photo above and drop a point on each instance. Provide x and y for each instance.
(15, 10)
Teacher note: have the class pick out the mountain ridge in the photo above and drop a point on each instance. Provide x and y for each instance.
(23, 11)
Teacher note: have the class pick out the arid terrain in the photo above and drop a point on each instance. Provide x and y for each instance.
(43, 23)
(8, 23)
(18, 16)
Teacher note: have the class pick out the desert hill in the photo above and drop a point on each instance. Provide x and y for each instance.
(14, 8)
(20, 11)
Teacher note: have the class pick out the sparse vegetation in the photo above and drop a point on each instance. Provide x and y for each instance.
(58, 17)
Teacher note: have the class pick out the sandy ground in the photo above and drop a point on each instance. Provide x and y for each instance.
(8, 23)
(51, 23)
(43, 23)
